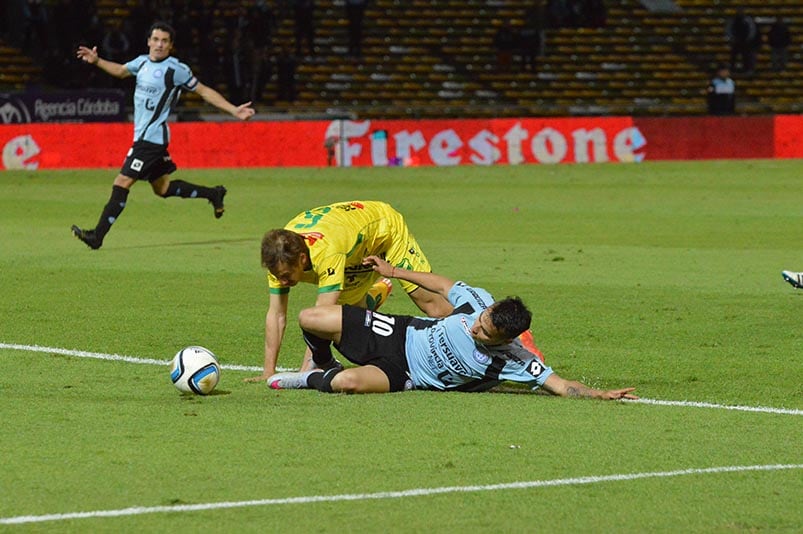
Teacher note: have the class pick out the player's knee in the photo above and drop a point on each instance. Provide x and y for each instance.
(307, 318)
(320, 318)
(347, 381)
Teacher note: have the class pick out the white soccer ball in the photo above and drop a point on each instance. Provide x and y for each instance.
(195, 370)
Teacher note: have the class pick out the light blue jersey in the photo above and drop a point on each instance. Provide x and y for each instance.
(159, 85)
(441, 353)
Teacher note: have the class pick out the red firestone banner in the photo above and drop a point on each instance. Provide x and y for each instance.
(690, 138)
(192, 145)
(488, 142)
(414, 142)
(789, 136)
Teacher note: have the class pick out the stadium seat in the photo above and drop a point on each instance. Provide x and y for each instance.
(440, 56)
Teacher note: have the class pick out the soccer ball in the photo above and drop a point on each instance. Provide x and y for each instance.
(195, 370)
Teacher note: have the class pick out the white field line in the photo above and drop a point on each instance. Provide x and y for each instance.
(150, 361)
(117, 357)
(694, 404)
(418, 492)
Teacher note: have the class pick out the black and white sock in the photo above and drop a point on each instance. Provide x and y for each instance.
(114, 207)
(323, 381)
(180, 188)
(321, 349)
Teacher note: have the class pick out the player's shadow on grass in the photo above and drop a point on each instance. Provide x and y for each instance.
(194, 243)
(187, 396)
(517, 390)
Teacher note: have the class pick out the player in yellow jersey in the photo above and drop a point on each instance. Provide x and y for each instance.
(326, 246)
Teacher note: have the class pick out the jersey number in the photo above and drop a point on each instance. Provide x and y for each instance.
(313, 216)
(382, 324)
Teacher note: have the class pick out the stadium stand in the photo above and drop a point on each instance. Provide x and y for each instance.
(436, 58)
(16, 69)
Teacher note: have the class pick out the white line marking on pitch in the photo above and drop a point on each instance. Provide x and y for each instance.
(231, 367)
(117, 357)
(694, 404)
(418, 492)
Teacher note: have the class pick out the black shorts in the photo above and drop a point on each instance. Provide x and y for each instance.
(370, 338)
(147, 161)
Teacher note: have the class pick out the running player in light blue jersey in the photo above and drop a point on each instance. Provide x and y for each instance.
(474, 349)
(160, 80)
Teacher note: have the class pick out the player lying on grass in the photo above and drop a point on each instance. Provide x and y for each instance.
(325, 246)
(473, 349)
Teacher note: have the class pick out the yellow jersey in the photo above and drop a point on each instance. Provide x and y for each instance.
(340, 235)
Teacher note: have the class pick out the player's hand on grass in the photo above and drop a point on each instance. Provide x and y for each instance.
(615, 394)
(261, 378)
(379, 265)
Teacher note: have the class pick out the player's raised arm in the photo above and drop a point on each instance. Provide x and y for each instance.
(242, 112)
(571, 388)
(430, 281)
(90, 55)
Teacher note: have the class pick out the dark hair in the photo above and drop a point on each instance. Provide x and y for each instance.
(510, 316)
(282, 246)
(165, 27)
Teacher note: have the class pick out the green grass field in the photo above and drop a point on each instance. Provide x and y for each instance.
(661, 276)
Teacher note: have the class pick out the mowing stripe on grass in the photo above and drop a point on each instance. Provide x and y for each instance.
(150, 361)
(418, 492)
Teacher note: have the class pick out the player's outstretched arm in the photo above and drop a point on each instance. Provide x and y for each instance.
(242, 112)
(571, 388)
(90, 55)
(431, 281)
(275, 323)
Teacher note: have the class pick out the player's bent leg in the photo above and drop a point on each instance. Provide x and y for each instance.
(164, 187)
(323, 321)
(432, 304)
(366, 379)
(161, 185)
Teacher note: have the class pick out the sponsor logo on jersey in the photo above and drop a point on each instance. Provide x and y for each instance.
(535, 368)
(311, 237)
(477, 298)
(442, 354)
(466, 327)
(481, 358)
(350, 206)
(356, 270)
